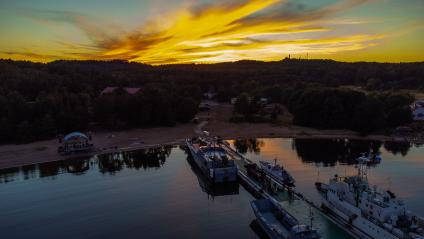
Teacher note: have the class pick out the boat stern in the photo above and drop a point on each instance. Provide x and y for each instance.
(222, 175)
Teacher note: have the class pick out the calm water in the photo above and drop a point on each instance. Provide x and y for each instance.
(157, 194)
(401, 170)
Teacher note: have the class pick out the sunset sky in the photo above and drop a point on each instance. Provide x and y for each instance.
(205, 31)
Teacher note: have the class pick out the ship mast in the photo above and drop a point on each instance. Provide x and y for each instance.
(311, 216)
(362, 168)
(362, 177)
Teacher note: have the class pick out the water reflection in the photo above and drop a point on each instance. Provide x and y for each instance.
(330, 151)
(8, 175)
(145, 158)
(51, 169)
(129, 203)
(108, 163)
(79, 166)
(131, 198)
(29, 171)
(248, 145)
(257, 229)
(395, 148)
(212, 190)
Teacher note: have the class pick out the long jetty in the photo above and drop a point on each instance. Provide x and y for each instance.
(260, 191)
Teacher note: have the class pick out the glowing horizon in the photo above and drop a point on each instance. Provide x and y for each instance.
(204, 31)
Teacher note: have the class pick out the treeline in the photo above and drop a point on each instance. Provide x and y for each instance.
(23, 121)
(327, 108)
(90, 76)
(62, 112)
(333, 108)
(153, 106)
(38, 100)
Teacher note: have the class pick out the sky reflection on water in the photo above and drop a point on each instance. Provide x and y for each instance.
(311, 160)
(157, 193)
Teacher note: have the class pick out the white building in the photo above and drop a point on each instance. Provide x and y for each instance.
(418, 114)
(417, 109)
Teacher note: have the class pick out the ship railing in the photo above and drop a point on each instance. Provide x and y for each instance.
(344, 210)
(420, 221)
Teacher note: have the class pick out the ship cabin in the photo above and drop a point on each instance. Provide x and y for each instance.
(382, 207)
(75, 142)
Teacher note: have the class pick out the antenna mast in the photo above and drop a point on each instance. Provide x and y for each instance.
(362, 168)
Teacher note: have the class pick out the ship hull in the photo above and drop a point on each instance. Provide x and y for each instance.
(264, 225)
(289, 183)
(215, 175)
(267, 230)
(355, 225)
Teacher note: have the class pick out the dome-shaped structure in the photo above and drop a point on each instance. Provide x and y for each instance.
(75, 136)
(75, 142)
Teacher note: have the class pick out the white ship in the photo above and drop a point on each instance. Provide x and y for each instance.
(365, 212)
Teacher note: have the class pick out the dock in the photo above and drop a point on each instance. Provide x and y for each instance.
(304, 210)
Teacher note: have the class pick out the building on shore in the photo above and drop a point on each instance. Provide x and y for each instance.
(418, 110)
(75, 142)
(128, 90)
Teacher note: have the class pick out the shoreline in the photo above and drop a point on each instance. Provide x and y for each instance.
(215, 121)
(13, 156)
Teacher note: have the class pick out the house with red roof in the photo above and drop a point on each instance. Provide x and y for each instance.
(112, 89)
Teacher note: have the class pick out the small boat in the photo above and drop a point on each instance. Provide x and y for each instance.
(278, 223)
(277, 173)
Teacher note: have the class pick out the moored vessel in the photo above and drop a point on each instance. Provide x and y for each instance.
(254, 171)
(212, 159)
(366, 212)
(278, 223)
(212, 189)
(277, 173)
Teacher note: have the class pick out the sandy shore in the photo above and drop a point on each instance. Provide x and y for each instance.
(215, 121)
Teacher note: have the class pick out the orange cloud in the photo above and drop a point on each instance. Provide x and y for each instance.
(246, 30)
(249, 29)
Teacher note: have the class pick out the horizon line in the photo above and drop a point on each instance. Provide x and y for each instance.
(213, 63)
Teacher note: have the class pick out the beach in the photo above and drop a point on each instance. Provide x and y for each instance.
(215, 121)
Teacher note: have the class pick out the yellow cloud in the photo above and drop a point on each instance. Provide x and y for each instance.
(247, 29)
(232, 32)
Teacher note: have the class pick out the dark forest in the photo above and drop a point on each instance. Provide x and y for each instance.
(38, 101)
